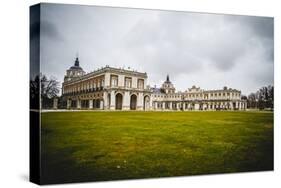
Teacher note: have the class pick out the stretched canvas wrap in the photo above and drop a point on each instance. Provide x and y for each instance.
(122, 93)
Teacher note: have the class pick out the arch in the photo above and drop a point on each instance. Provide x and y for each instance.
(94, 103)
(146, 101)
(133, 102)
(118, 101)
(73, 103)
(84, 103)
(97, 103)
(234, 105)
(200, 106)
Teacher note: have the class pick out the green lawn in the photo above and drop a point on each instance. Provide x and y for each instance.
(95, 146)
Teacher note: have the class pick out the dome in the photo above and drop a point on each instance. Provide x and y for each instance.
(76, 65)
(76, 68)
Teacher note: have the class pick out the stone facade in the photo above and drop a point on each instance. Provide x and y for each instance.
(106, 89)
(165, 98)
(111, 88)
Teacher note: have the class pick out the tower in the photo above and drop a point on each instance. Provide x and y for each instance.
(74, 71)
(167, 79)
(167, 86)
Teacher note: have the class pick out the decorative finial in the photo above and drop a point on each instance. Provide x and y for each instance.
(76, 60)
(168, 79)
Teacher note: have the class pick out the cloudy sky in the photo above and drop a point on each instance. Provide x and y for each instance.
(206, 50)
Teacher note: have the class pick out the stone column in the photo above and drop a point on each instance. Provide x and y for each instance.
(55, 105)
(230, 106)
(204, 106)
(107, 80)
(78, 103)
(163, 105)
(150, 103)
(171, 105)
(68, 103)
(112, 100)
(196, 106)
(178, 106)
(90, 104)
(105, 100)
(140, 102)
(101, 105)
(126, 103)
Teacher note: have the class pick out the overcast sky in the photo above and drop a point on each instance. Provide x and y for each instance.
(206, 50)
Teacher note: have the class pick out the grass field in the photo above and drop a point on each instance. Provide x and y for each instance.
(95, 146)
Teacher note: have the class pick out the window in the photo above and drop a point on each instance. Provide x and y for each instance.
(128, 82)
(140, 83)
(114, 80)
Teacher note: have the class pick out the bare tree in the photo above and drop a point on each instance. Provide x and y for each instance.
(252, 101)
(263, 98)
(270, 96)
(49, 90)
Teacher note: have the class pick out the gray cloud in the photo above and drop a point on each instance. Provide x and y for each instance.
(50, 31)
(209, 50)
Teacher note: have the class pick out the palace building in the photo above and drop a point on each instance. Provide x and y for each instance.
(111, 88)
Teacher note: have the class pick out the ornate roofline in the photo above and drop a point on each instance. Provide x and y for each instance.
(107, 69)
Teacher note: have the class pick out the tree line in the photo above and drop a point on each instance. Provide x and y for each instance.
(47, 87)
(263, 98)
